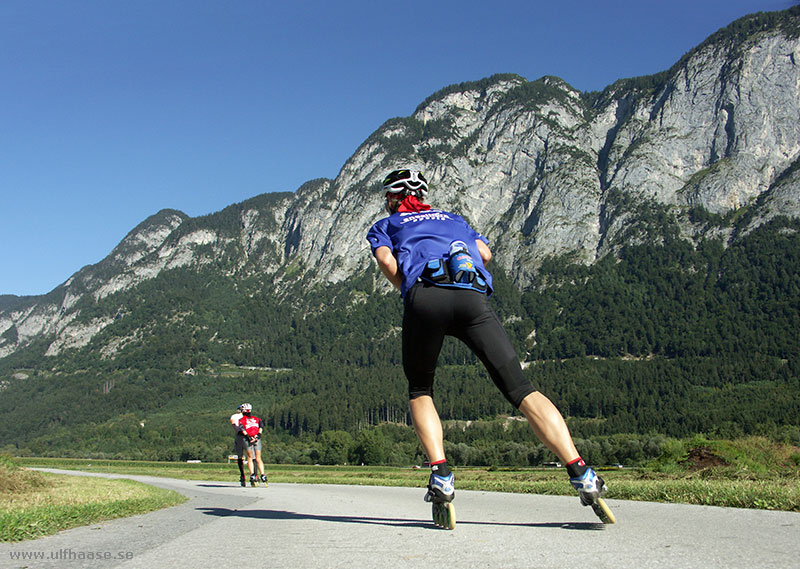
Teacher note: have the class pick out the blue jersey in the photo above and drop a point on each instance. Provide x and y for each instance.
(416, 238)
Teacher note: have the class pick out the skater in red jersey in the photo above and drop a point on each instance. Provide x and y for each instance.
(252, 427)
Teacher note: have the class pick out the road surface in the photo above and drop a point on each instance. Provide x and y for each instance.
(361, 527)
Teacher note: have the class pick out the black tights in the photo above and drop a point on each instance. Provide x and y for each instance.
(431, 313)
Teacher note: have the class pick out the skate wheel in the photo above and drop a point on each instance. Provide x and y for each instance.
(444, 515)
(603, 512)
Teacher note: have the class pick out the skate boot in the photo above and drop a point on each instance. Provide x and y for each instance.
(264, 480)
(253, 480)
(591, 488)
(440, 494)
(242, 481)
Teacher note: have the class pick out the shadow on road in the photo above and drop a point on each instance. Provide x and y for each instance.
(284, 515)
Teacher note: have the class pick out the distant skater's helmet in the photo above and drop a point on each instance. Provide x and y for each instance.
(407, 182)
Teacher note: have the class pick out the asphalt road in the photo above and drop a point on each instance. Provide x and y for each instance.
(360, 527)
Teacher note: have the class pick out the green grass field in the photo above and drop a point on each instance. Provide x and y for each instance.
(752, 473)
(34, 504)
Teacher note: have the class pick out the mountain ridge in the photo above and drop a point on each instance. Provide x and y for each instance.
(542, 168)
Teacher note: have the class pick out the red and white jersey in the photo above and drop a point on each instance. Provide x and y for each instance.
(250, 425)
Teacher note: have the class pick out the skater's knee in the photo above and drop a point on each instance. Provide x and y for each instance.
(512, 383)
(416, 393)
(517, 395)
(419, 384)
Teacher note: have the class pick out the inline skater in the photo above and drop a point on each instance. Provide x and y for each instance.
(252, 427)
(438, 262)
(238, 443)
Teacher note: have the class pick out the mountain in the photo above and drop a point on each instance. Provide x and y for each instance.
(682, 171)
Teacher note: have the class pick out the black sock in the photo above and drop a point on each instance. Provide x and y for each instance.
(577, 468)
(440, 469)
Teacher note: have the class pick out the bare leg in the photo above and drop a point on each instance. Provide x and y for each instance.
(428, 427)
(250, 464)
(543, 417)
(549, 426)
(260, 464)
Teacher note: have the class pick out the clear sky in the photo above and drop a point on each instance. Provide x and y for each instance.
(113, 110)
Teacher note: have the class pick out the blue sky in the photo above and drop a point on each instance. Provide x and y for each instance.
(111, 111)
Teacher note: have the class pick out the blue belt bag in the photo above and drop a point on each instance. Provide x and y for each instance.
(456, 271)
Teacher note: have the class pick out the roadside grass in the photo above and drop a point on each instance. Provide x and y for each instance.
(34, 504)
(750, 473)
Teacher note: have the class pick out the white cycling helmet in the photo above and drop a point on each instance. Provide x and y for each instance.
(407, 182)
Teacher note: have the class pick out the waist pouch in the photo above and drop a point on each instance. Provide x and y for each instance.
(437, 273)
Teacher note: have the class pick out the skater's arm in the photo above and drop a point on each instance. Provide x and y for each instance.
(483, 249)
(388, 265)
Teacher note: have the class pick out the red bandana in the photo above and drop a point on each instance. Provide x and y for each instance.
(412, 204)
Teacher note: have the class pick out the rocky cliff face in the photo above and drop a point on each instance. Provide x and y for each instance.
(537, 166)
